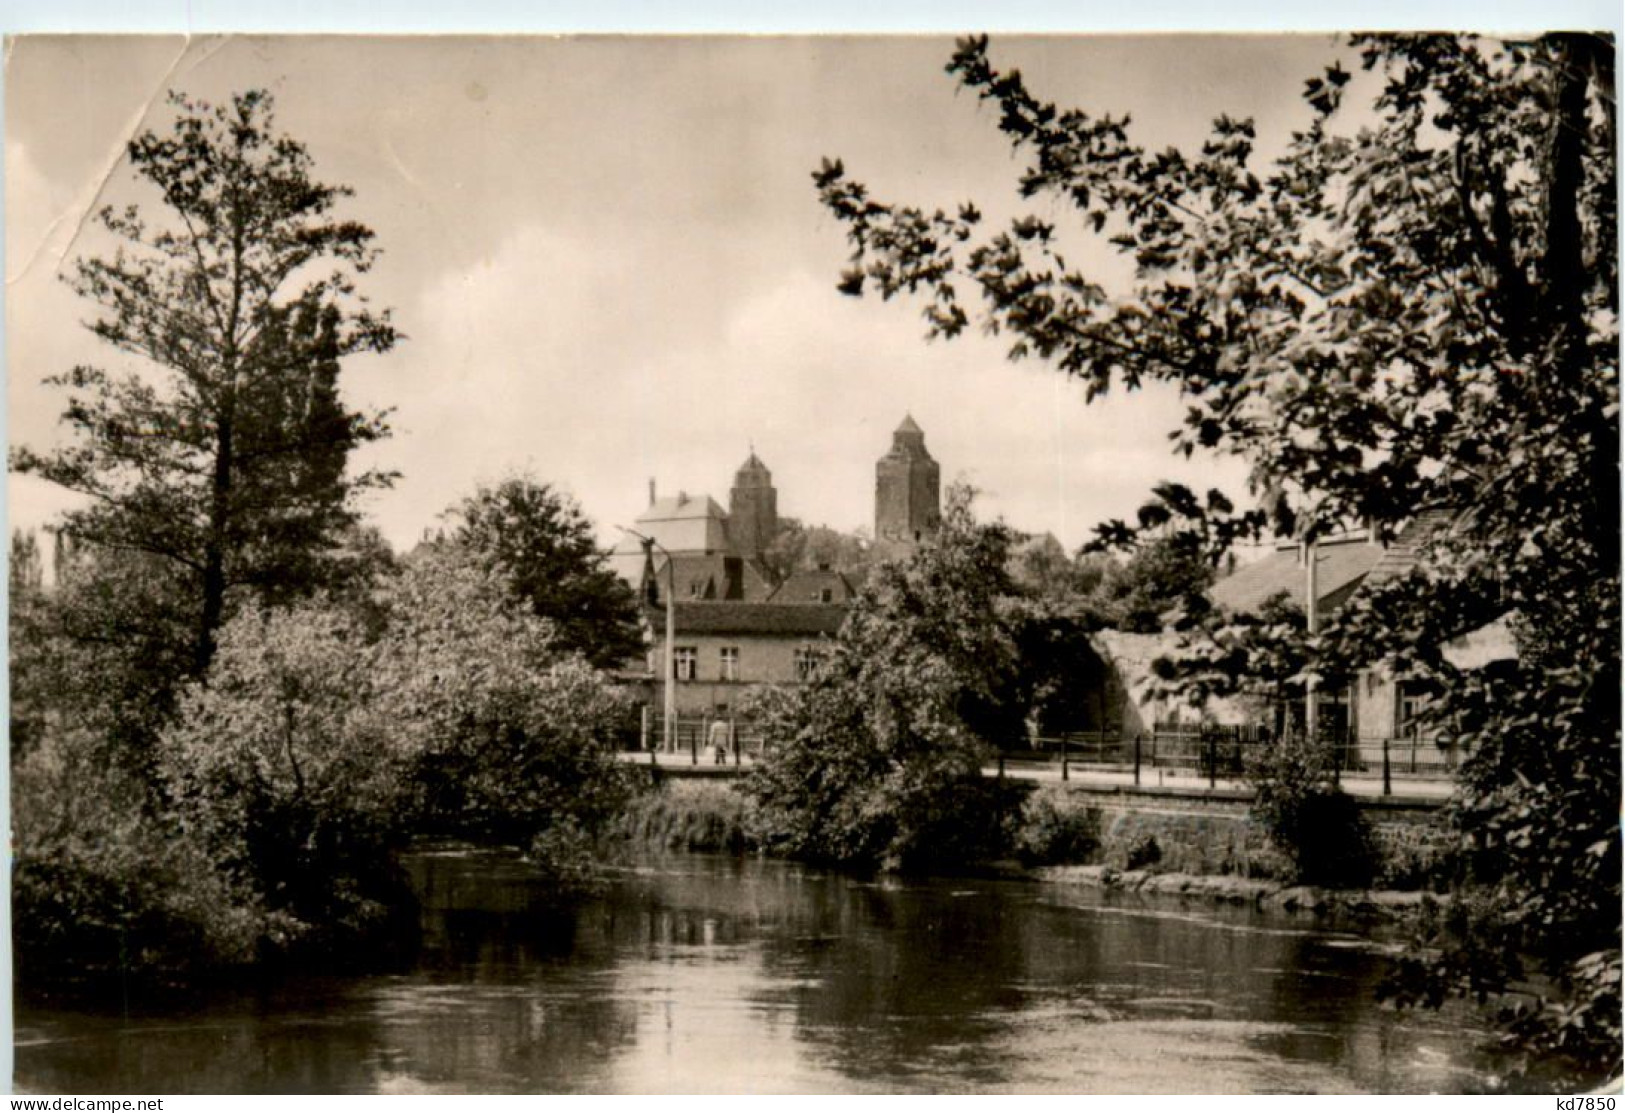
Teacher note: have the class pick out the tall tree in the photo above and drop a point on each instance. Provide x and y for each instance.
(876, 760)
(1410, 315)
(223, 454)
(537, 540)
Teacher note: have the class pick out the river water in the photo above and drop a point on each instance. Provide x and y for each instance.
(697, 973)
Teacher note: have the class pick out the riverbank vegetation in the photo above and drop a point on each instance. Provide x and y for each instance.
(1406, 318)
(1047, 826)
(876, 761)
(231, 703)
(688, 815)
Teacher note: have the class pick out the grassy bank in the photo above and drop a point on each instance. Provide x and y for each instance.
(1057, 827)
(687, 815)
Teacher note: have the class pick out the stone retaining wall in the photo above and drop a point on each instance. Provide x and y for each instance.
(1210, 832)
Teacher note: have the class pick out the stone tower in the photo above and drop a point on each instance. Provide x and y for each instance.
(753, 508)
(908, 496)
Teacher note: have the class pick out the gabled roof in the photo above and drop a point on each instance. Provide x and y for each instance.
(715, 576)
(787, 619)
(1340, 567)
(809, 587)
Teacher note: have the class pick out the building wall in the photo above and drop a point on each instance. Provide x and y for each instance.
(1374, 710)
(753, 519)
(687, 535)
(908, 502)
(763, 659)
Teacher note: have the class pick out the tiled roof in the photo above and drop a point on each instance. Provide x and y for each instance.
(791, 619)
(1341, 566)
(809, 586)
(713, 576)
(1406, 549)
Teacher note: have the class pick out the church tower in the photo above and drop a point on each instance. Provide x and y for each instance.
(753, 509)
(908, 496)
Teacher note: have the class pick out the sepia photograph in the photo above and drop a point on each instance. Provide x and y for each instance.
(980, 563)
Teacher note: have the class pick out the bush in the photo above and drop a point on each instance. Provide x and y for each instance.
(966, 822)
(503, 734)
(284, 766)
(1315, 825)
(103, 889)
(1054, 829)
(876, 761)
(687, 815)
(1144, 852)
(565, 854)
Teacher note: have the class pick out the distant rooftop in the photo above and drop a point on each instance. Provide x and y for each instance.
(791, 619)
(1341, 565)
(682, 506)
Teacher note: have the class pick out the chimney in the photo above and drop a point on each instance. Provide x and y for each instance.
(651, 490)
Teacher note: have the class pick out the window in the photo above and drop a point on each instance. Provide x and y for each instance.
(807, 658)
(826, 595)
(1410, 706)
(685, 662)
(730, 662)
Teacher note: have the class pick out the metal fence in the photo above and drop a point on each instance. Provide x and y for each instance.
(691, 735)
(1212, 752)
(1227, 752)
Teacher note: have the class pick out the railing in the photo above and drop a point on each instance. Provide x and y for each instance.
(692, 736)
(1227, 752)
(1214, 753)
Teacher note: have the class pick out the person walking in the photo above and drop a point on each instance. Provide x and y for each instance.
(720, 740)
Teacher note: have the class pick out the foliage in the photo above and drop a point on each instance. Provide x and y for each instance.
(1061, 584)
(802, 548)
(875, 760)
(228, 467)
(1315, 825)
(1258, 656)
(541, 545)
(687, 815)
(103, 888)
(506, 736)
(29, 660)
(1143, 853)
(287, 764)
(1164, 576)
(1408, 320)
(1061, 677)
(99, 653)
(328, 735)
(1055, 829)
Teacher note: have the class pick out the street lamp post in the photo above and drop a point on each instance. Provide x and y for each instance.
(649, 545)
(1311, 608)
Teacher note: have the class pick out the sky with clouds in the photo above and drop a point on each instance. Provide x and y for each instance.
(609, 261)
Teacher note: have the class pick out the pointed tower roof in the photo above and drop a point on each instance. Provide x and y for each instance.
(908, 441)
(754, 470)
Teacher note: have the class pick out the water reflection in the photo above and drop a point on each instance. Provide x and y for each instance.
(718, 974)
